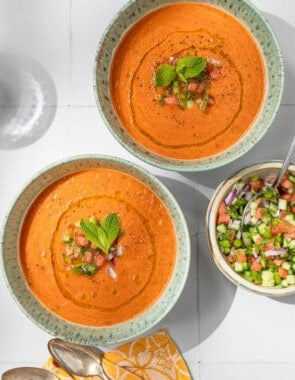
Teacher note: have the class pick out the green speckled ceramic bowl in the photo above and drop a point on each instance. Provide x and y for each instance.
(262, 33)
(51, 322)
(262, 169)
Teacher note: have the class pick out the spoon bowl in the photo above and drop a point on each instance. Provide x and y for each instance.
(77, 359)
(28, 373)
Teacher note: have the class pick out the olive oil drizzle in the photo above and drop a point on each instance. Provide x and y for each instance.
(56, 269)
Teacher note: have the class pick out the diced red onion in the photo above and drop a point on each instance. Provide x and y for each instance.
(245, 189)
(113, 261)
(275, 252)
(255, 254)
(110, 256)
(248, 195)
(231, 197)
(111, 272)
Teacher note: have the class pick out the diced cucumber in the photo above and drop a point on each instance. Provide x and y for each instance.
(292, 245)
(282, 204)
(256, 238)
(256, 276)
(286, 265)
(238, 243)
(189, 104)
(291, 178)
(290, 218)
(234, 226)
(273, 208)
(261, 228)
(67, 239)
(284, 255)
(277, 278)
(226, 251)
(224, 243)
(267, 278)
(238, 267)
(247, 275)
(245, 266)
(264, 230)
(247, 238)
(221, 227)
(286, 242)
(284, 283)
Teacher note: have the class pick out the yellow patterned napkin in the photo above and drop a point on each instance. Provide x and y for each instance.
(149, 358)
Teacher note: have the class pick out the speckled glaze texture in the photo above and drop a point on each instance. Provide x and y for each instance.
(260, 29)
(261, 169)
(52, 323)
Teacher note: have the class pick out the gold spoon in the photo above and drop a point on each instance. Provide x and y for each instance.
(28, 373)
(77, 359)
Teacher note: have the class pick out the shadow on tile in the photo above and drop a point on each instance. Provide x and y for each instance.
(181, 322)
(207, 295)
(215, 292)
(27, 101)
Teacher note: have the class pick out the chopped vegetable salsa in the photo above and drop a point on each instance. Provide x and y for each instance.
(89, 245)
(186, 82)
(263, 249)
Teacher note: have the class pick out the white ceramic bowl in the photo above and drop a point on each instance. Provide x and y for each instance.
(262, 169)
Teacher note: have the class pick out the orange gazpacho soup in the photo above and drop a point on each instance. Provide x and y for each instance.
(107, 278)
(187, 80)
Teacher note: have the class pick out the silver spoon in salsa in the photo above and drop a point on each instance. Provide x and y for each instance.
(269, 194)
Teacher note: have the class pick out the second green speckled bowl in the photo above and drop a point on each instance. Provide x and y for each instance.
(51, 322)
(262, 33)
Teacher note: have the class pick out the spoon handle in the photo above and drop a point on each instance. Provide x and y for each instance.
(285, 164)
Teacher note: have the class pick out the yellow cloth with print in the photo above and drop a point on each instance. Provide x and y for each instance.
(154, 357)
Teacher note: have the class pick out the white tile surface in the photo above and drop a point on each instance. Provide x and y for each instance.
(224, 333)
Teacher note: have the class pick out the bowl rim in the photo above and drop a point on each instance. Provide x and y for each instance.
(215, 252)
(206, 163)
(133, 327)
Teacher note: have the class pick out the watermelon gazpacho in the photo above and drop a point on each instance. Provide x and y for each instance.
(182, 80)
(97, 247)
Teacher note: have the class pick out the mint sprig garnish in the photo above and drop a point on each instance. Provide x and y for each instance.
(102, 235)
(190, 67)
(165, 75)
(186, 68)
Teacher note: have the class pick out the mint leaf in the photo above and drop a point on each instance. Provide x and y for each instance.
(111, 226)
(95, 233)
(104, 235)
(165, 75)
(190, 67)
